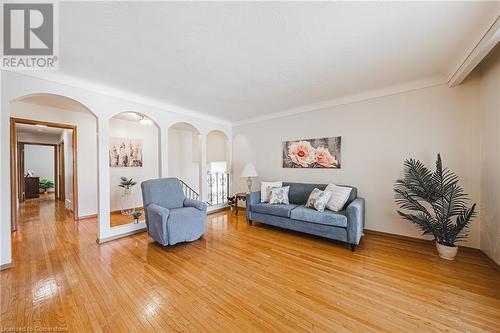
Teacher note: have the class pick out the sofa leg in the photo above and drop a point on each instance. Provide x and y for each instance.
(250, 222)
(353, 247)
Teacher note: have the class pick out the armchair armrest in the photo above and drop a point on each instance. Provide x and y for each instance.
(252, 198)
(196, 204)
(355, 220)
(156, 222)
(154, 209)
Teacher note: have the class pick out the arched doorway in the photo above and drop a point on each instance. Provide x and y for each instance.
(184, 157)
(67, 131)
(134, 156)
(217, 167)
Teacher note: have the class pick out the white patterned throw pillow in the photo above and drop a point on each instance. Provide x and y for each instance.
(318, 199)
(279, 195)
(340, 195)
(265, 189)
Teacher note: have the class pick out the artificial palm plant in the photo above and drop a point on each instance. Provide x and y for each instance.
(45, 184)
(438, 204)
(126, 183)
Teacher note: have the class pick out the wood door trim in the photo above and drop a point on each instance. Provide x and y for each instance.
(61, 188)
(13, 176)
(41, 122)
(54, 145)
(20, 171)
(37, 144)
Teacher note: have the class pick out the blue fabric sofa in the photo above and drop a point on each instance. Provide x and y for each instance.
(170, 216)
(346, 225)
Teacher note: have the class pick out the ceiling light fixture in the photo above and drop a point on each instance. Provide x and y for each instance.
(143, 120)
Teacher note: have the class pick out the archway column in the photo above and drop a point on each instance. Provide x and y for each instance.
(203, 167)
(164, 151)
(103, 185)
(229, 160)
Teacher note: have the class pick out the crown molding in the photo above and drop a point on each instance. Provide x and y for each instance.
(120, 94)
(487, 42)
(349, 99)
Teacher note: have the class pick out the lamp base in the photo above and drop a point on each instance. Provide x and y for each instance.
(249, 184)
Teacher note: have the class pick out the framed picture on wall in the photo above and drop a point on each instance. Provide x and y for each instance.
(125, 152)
(312, 153)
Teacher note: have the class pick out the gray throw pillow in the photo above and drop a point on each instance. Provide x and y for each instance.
(318, 199)
(279, 195)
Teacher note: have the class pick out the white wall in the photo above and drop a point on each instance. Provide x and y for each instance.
(87, 148)
(150, 169)
(40, 160)
(489, 102)
(377, 135)
(184, 156)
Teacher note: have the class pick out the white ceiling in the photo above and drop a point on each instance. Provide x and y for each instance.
(239, 60)
(33, 129)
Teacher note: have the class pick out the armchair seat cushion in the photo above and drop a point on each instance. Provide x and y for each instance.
(327, 217)
(185, 224)
(276, 210)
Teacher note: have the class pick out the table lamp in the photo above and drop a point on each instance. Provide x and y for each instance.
(248, 172)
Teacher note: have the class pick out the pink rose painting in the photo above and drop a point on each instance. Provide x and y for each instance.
(312, 153)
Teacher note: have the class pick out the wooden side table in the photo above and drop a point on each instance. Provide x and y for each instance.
(239, 196)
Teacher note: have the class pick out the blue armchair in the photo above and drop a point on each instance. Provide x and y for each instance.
(170, 216)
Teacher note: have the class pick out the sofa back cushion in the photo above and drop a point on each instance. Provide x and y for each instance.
(299, 192)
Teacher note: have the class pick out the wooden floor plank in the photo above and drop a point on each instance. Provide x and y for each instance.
(238, 278)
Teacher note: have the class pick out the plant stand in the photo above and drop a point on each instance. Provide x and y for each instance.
(127, 200)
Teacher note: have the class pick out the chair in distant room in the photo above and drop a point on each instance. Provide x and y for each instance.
(172, 218)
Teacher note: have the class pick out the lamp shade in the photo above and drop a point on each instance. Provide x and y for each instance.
(249, 171)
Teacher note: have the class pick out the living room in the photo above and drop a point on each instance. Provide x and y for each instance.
(255, 166)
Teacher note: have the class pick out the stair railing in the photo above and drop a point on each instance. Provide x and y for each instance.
(218, 187)
(189, 192)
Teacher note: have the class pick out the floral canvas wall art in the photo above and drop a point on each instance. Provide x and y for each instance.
(312, 153)
(125, 152)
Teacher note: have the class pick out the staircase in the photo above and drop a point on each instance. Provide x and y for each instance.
(189, 192)
(218, 188)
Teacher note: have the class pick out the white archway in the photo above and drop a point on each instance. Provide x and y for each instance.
(78, 137)
(134, 153)
(185, 155)
(218, 166)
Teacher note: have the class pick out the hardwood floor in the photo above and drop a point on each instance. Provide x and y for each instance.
(117, 218)
(238, 278)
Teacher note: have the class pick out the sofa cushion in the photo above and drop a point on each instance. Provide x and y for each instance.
(337, 219)
(279, 195)
(276, 210)
(318, 199)
(265, 189)
(340, 195)
(299, 192)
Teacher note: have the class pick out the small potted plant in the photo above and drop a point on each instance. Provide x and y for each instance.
(128, 206)
(45, 185)
(231, 202)
(136, 216)
(437, 204)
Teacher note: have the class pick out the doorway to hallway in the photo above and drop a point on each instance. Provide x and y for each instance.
(43, 165)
